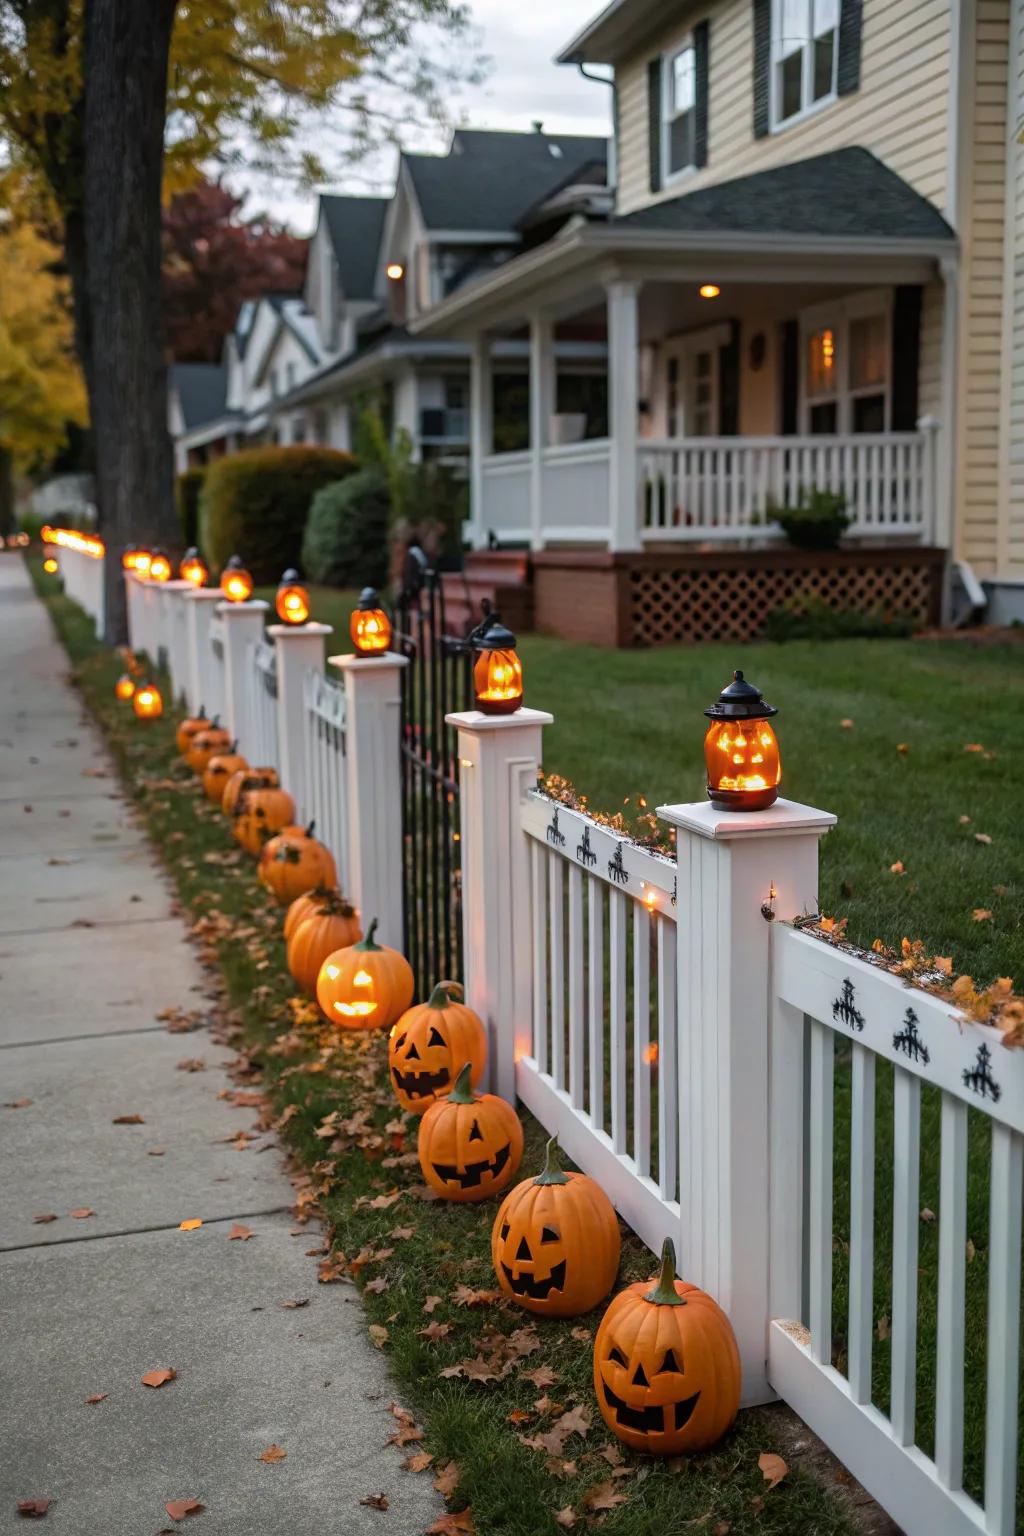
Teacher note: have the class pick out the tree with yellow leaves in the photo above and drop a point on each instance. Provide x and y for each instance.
(41, 387)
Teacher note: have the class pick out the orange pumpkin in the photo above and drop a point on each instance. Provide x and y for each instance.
(189, 728)
(305, 906)
(429, 1044)
(219, 769)
(294, 862)
(555, 1242)
(206, 745)
(243, 779)
(330, 925)
(470, 1144)
(666, 1365)
(260, 814)
(366, 985)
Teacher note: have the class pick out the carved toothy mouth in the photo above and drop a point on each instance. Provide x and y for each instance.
(473, 1173)
(419, 1084)
(649, 1420)
(537, 1290)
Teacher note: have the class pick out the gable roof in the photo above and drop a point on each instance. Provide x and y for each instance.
(354, 225)
(845, 192)
(202, 390)
(489, 178)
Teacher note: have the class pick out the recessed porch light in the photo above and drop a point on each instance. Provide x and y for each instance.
(395, 271)
(709, 290)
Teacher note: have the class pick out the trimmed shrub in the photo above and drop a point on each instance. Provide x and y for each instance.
(186, 498)
(255, 504)
(807, 617)
(346, 543)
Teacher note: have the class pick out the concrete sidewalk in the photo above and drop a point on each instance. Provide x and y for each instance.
(90, 952)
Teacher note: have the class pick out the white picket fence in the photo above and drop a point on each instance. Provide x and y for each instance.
(731, 1081)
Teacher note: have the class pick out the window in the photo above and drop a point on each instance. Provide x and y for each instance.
(679, 116)
(822, 381)
(805, 35)
(846, 365)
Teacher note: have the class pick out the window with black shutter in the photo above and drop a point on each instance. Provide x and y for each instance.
(679, 84)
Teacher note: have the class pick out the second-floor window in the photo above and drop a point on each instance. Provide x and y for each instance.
(679, 116)
(805, 47)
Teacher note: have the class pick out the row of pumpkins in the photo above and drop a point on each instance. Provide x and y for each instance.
(666, 1365)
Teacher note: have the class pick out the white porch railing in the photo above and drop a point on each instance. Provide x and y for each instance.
(725, 487)
(574, 488)
(505, 479)
(326, 771)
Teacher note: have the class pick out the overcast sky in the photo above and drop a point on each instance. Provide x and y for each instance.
(521, 37)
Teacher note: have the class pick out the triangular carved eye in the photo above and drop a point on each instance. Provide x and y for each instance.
(435, 1037)
(640, 1376)
(670, 1364)
(504, 1230)
(399, 1042)
(476, 1134)
(617, 1355)
(549, 1235)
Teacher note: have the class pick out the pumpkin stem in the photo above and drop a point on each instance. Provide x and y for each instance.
(444, 993)
(368, 943)
(552, 1172)
(665, 1293)
(309, 829)
(233, 747)
(462, 1093)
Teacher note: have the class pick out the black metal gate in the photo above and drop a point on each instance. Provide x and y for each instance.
(437, 681)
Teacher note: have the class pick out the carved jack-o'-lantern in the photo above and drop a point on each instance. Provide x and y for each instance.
(124, 688)
(260, 814)
(428, 1045)
(206, 745)
(741, 753)
(245, 779)
(147, 702)
(666, 1365)
(366, 986)
(189, 728)
(294, 862)
(470, 1144)
(555, 1242)
(219, 769)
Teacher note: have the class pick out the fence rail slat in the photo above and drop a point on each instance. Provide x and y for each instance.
(668, 1078)
(540, 956)
(949, 1354)
(906, 1207)
(1003, 1353)
(576, 1021)
(556, 925)
(617, 957)
(641, 1039)
(595, 998)
(820, 1175)
(862, 1222)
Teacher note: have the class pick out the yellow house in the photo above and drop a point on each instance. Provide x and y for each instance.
(809, 271)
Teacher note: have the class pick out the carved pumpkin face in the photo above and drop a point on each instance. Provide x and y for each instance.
(245, 779)
(555, 1242)
(260, 814)
(219, 769)
(470, 1144)
(189, 728)
(366, 986)
(206, 745)
(329, 924)
(666, 1366)
(294, 862)
(428, 1045)
(124, 687)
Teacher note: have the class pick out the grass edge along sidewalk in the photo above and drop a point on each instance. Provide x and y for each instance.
(502, 1397)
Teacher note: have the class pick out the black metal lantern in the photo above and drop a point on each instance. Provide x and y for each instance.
(292, 599)
(740, 750)
(497, 670)
(370, 626)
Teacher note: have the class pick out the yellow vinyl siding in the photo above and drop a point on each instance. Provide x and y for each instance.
(1011, 547)
(899, 112)
(929, 372)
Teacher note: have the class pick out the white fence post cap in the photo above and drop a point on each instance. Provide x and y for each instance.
(203, 594)
(382, 663)
(254, 605)
(785, 816)
(282, 631)
(476, 720)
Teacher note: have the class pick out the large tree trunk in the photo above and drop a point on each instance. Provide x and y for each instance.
(127, 43)
(6, 491)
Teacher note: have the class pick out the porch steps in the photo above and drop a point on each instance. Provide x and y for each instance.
(503, 577)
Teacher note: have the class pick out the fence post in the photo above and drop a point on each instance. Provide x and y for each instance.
(373, 715)
(298, 649)
(733, 868)
(133, 604)
(175, 637)
(499, 756)
(243, 625)
(199, 610)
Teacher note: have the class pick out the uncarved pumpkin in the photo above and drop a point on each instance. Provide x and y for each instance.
(189, 728)
(331, 925)
(555, 1242)
(294, 862)
(305, 906)
(470, 1144)
(430, 1043)
(206, 745)
(666, 1365)
(260, 814)
(366, 986)
(219, 769)
(243, 779)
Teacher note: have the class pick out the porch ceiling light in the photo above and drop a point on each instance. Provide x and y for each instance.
(497, 670)
(235, 581)
(395, 271)
(709, 290)
(292, 601)
(740, 750)
(369, 625)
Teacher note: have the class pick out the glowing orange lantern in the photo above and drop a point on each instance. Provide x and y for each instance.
(50, 566)
(497, 670)
(147, 702)
(193, 568)
(143, 560)
(159, 567)
(740, 749)
(365, 985)
(131, 557)
(369, 625)
(235, 581)
(292, 602)
(124, 688)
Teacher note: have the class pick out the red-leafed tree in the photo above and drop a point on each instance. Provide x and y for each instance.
(212, 260)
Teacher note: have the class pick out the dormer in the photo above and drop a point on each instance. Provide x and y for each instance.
(342, 266)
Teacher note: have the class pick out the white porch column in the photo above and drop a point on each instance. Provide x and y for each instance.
(498, 760)
(373, 719)
(728, 864)
(243, 623)
(623, 397)
(948, 477)
(201, 690)
(481, 433)
(542, 404)
(298, 649)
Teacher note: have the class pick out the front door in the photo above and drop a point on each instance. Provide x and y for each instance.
(691, 385)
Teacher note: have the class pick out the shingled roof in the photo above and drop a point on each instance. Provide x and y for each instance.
(354, 225)
(489, 178)
(845, 192)
(202, 390)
